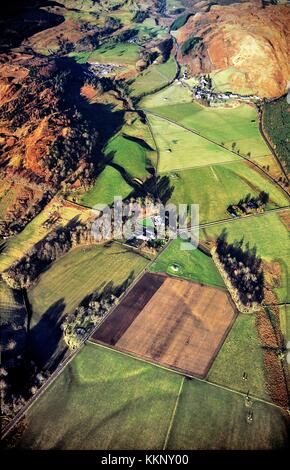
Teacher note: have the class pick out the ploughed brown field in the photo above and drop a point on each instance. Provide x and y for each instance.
(174, 322)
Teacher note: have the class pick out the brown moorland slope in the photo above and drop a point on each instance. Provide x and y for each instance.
(246, 40)
(46, 138)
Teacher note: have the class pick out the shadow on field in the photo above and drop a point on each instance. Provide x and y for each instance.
(108, 290)
(46, 345)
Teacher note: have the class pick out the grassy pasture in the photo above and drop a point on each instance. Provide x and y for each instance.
(215, 187)
(193, 265)
(130, 155)
(16, 246)
(241, 352)
(237, 125)
(108, 184)
(269, 234)
(67, 283)
(103, 400)
(224, 80)
(106, 400)
(153, 78)
(81, 272)
(120, 53)
(212, 418)
(138, 130)
(180, 149)
(173, 95)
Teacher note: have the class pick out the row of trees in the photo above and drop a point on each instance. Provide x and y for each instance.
(244, 269)
(58, 242)
(78, 324)
(250, 204)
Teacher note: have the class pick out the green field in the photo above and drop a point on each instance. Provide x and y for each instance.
(237, 125)
(180, 149)
(212, 418)
(241, 352)
(215, 187)
(81, 272)
(230, 79)
(108, 184)
(269, 234)
(68, 282)
(127, 54)
(107, 400)
(193, 265)
(154, 77)
(131, 156)
(18, 245)
(103, 400)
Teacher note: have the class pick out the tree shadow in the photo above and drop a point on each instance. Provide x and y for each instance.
(45, 338)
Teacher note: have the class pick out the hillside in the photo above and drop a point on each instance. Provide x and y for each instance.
(245, 44)
(49, 133)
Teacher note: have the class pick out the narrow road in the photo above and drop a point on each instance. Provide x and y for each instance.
(233, 219)
(11, 424)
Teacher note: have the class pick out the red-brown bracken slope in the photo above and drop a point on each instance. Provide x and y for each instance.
(249, 41)
(29, 119)
(43, 140)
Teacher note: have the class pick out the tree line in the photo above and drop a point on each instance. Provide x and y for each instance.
(244, 268)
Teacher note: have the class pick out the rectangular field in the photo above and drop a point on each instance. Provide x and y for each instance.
(212, 418)
(241, 352)
(238, 126)
(182, 325)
